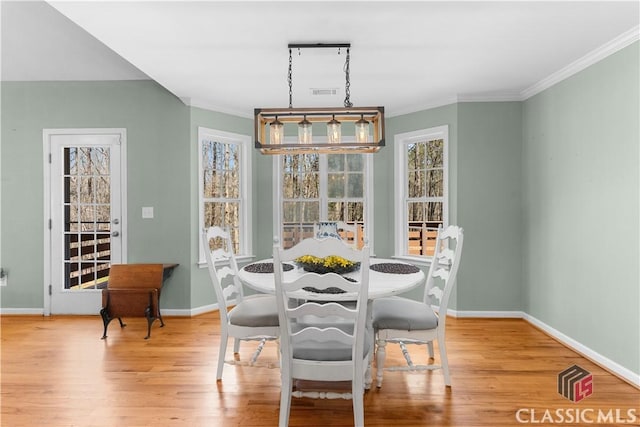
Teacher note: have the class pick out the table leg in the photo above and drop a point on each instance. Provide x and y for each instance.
(369, 330)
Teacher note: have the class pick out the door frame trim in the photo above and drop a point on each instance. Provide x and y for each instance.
(46, 144)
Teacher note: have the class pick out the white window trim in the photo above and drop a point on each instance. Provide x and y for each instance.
(246, 212)
(400, 142)
(368, 197)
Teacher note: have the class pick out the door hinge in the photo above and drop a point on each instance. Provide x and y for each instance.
(50, 224)
(49, 158)
(50, 290)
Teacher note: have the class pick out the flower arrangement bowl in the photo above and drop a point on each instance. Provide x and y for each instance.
(330, 264)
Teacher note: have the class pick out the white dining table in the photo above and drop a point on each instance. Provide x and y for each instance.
(381, 284)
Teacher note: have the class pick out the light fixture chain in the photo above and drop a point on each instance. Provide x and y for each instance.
(347, 85)
(290, 79)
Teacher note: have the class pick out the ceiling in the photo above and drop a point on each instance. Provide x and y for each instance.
(232, 56)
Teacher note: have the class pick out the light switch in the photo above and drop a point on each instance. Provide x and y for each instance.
(147, 212)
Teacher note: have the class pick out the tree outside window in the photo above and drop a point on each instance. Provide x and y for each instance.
(321, 187)
(223, 191)
(422, 176)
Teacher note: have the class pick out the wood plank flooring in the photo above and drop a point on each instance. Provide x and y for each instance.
(56, 371)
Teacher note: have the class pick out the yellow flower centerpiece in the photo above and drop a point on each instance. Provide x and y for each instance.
(330, 264)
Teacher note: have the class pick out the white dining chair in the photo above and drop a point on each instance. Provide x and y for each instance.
(405, 321)
(253, 317)
(322, 341)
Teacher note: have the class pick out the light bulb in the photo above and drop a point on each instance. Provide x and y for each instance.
(304, 131)
(333, 131)
(276, 132)
(362, 130)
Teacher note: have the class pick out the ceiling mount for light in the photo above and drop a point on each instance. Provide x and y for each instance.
(346, 129)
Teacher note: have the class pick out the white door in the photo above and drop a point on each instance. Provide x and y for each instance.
(86, 216)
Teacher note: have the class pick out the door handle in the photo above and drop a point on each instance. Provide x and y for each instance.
(115, 234)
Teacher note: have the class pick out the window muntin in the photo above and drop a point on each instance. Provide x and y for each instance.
(421, 164)
(224, 199)
(320, 187)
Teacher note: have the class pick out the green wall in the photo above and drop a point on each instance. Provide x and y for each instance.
(581, 190)
(489, 206)
(157, 126)
(485, 141)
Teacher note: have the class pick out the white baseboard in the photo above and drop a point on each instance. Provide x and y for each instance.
(189, 312)
(615, 368)
(23, 311)
(487, 314)
(608, 364)
(168, 312)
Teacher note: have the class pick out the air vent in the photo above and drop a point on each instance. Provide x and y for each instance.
(324, 91)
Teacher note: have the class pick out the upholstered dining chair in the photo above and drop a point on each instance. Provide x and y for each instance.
(322, 340)
(251, 318)
(405, 321)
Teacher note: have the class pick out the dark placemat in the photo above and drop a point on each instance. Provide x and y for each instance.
(265, 267)
(393, 268)
(331, 290)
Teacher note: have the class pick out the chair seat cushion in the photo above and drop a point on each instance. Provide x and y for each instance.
(255, 311)
(403, 314)
(332, 351)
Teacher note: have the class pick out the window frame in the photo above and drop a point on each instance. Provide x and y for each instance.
(324, 198)
(401, 142)
(245, 192)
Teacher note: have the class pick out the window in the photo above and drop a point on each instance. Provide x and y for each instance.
(322, 187)
(224, 190)
(421, 189)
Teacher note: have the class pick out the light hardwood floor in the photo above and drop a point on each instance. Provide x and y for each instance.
(56, 371)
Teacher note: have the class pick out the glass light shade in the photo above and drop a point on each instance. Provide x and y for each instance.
(362, 130)
(333, 131)
(276, 132)
(305, 134)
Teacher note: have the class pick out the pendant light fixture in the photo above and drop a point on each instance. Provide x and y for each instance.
(367, 123)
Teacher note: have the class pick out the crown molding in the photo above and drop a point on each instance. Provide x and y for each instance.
(394, 112)
(508, 96)
(199, 103)
(611, 47)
